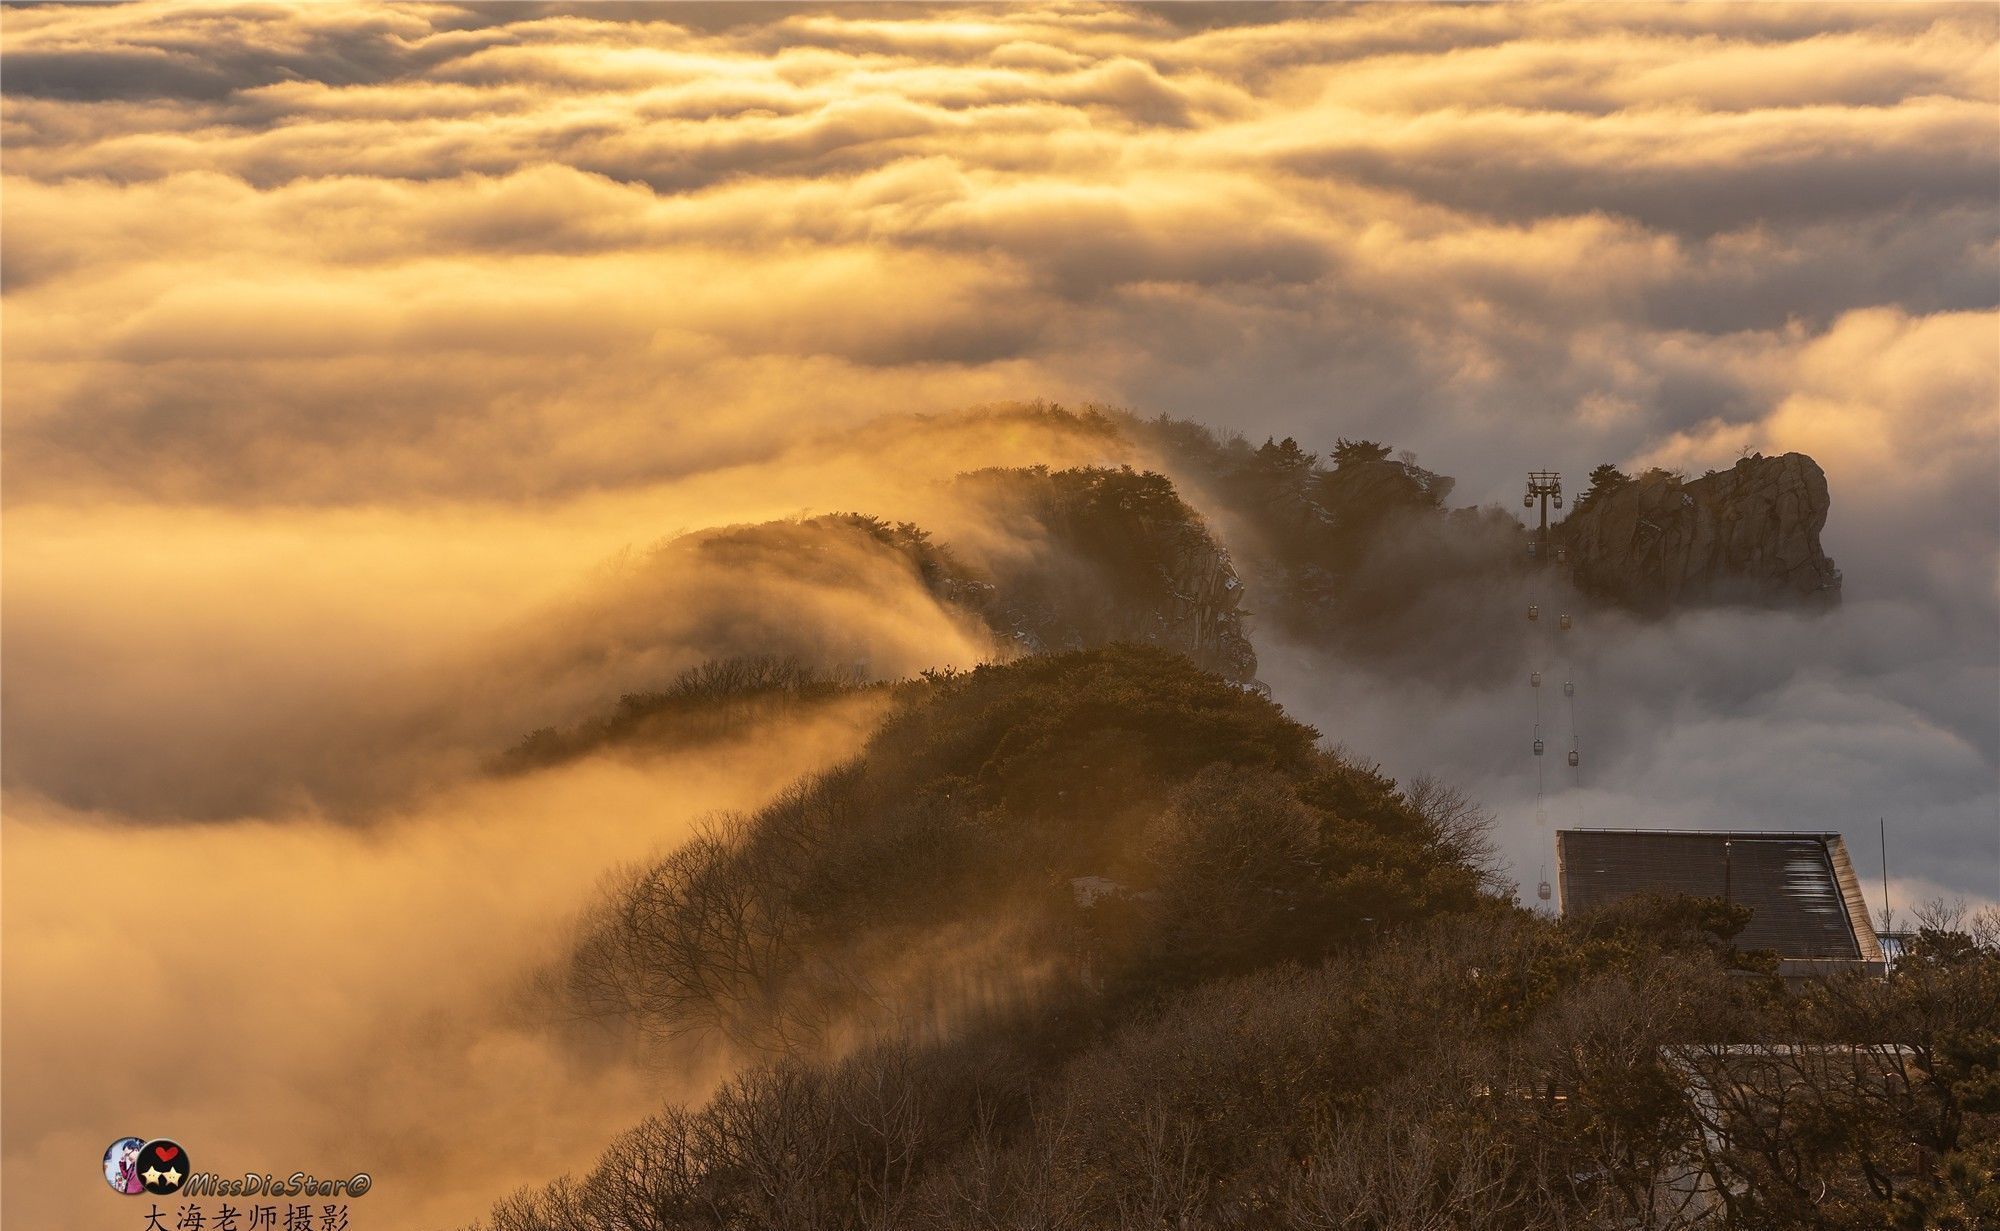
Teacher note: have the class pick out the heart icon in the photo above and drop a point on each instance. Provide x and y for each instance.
(168, 1153)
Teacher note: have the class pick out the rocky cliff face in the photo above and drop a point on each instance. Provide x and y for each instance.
(1205, 620)
(1746, 534)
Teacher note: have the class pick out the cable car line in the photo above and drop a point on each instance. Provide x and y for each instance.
(1545, 487)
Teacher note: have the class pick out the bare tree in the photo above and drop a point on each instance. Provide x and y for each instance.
(1463, 827)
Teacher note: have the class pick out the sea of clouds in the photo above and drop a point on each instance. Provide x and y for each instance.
(356, 356)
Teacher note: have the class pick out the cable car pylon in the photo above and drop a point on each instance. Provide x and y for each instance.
(1545, 488)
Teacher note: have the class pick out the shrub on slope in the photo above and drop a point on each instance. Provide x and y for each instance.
(948, 850)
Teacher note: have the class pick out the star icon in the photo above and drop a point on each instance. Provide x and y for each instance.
(151, 1174)
(173, 1177)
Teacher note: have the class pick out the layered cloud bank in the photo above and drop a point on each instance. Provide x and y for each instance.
(356, 357)
(367, 255)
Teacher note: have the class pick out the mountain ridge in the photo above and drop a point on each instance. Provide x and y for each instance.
(1362, 555)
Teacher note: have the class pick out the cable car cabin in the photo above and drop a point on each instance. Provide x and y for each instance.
(1534, 679)
(1575, 759)
(1569, 689)
(1538, 747)
(1804, 898)
(1562, 622)
(1528, 501)
(1534, 611)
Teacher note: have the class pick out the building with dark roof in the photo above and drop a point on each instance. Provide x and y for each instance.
(1805, 902)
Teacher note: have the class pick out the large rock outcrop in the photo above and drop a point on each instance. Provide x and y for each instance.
(1749, 534)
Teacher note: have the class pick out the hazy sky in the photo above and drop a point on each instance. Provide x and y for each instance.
(354, 353)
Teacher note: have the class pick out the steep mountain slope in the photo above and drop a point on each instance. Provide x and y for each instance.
(948, 851)
(1098, 940)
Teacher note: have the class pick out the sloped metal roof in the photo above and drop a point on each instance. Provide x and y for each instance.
(1799, 886)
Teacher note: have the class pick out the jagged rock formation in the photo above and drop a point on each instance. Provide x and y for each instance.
(1746, 534)
(1205, 619)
